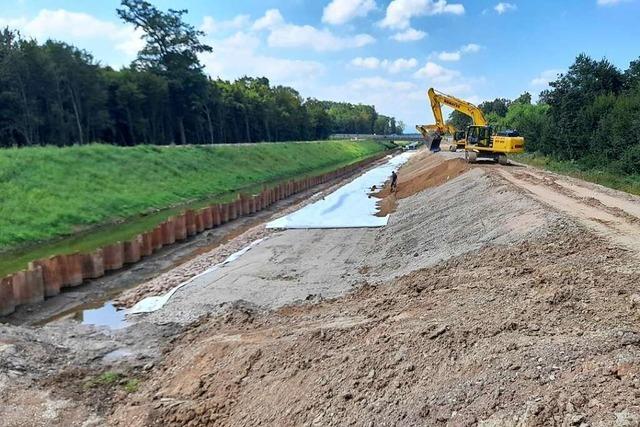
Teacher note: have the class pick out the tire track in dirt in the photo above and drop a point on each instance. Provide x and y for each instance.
(611, 216)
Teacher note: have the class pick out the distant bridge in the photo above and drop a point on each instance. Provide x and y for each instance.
(356, 136)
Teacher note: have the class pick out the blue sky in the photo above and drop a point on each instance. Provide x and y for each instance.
(381, 52)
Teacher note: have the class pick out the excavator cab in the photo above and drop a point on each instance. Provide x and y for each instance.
(479, 136)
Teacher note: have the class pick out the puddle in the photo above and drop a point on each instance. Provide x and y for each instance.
(99, 313)
(350, 206)
(107, 315)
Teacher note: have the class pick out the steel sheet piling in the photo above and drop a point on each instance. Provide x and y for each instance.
(180, 227)
(7, 299)
(114, 256)
(147, 243)
(191, 223)
(34, 283)
(207, 218)
(93, 264)
(132, 252)
(72, 270)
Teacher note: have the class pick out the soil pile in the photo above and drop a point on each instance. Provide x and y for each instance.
(425, 170)
(541, 333)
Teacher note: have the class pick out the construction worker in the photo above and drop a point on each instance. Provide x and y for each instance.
(394, 182)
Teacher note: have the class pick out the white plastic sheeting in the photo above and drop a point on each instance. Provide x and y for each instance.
(348, 207)
(151, 304)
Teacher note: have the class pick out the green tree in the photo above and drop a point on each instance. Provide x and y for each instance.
(498, 106)
(525, 98)
(573, 121)
(459, 120)
(171, 50)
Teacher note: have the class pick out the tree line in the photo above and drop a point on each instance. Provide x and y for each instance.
(56, 94)
(590, 115)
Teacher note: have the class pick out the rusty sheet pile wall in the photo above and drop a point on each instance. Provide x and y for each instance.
(48, 277)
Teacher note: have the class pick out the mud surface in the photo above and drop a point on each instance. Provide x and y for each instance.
(495, 296)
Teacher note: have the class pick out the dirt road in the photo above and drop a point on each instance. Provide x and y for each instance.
(610, 213)
(495, 296)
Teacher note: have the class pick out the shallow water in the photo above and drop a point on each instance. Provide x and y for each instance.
(107, 315)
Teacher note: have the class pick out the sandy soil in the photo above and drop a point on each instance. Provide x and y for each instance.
(496, 296)
(520, 335)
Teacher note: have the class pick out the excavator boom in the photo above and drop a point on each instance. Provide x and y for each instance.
(432, 133)
(439, 98)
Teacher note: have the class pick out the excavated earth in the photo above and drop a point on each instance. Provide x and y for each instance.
(496, 296)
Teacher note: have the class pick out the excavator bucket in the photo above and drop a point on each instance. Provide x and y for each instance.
(435, 143)
(431, 137)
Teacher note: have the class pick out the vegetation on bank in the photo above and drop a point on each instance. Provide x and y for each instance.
(629, 183)
(587, 124)
(48, 192)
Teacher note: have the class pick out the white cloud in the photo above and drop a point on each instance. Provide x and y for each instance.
(286, 35)
(449, 56)
(471, 48)
(210, 25)
(409, 35)
(392, 66)
(610, 2)
(504, 7)
(241, 54)
(340, 12)
(370, 63)
(545, 77)
(457, 55)
(436, 73)
(271, 19)
(400, 12)
(402, 64)
(380, 83)
(306, 36)
(61, 24)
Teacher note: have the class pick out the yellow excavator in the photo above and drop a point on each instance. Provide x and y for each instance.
(480, 140)
(433, 133)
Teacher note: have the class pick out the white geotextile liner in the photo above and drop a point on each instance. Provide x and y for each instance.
(348, 207)
(151, 304)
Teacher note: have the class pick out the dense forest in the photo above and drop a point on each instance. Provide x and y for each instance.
(590, 115)
(57, 94)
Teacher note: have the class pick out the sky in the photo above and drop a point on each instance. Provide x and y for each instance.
(385, 53)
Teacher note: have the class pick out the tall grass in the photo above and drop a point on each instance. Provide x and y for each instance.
(49, 192)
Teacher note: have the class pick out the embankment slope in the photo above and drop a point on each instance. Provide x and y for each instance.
(49, 192)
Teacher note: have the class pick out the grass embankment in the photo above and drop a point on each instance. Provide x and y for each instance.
(607, 178)
(47, 193)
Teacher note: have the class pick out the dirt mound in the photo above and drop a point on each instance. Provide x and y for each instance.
(421, 172)
(542, 333)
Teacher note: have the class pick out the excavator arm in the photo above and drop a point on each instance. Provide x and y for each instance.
(438, 99)
(432, 133)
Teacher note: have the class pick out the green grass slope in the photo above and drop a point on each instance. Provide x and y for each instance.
(48, 192)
